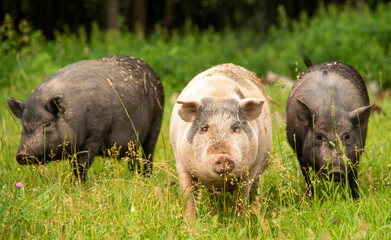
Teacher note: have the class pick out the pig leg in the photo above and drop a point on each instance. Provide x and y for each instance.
(242, 194)
(253, 189)
(84, 161)
(306, 173)
(352, 175)
(133, 164)
(254, 185)
(188, 188)
(149, 144)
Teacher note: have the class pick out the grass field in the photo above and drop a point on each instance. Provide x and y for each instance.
(117, 204)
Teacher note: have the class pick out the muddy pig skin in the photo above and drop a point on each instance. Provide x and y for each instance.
(77, 110)
(221, 132)
(327, 116)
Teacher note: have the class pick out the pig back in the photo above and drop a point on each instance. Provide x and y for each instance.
(96, 93)
(331, 80)
(224, 81)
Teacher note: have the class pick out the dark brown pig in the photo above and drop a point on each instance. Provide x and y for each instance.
(221, 132)
(327, 117)
(88, 107)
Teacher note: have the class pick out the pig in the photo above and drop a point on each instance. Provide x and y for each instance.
(221, 133)
(88, 107)
(327, 116)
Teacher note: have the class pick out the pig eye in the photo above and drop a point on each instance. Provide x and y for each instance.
(319, 137)
(204, 129)
(235, 128)
(46, 125)
(347, 138)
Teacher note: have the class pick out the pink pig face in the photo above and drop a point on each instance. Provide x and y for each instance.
(223, 146)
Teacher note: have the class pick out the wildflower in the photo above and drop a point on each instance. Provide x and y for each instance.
(333, 220)
(19, 185)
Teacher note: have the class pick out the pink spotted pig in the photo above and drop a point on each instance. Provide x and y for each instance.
(221, 133)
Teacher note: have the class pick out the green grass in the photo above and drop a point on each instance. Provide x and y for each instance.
(117, 204)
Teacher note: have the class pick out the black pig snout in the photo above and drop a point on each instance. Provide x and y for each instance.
(23, 158)
(337, 174)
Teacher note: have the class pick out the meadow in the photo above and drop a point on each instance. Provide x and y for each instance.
(117, 204)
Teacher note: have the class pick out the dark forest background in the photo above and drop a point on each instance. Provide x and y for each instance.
(143, 16)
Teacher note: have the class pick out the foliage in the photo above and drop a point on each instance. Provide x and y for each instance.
(256, 15)
(117, 204)
(359, 38)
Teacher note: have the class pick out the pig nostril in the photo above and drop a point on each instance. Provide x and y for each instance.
(23, 158)
(223, 164)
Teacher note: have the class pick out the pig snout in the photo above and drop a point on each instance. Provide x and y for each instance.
(335, 171)
(24, 158)
(333, 165)
(223, 164)
(337, 174)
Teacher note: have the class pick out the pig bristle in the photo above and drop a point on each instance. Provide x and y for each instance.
(307, 60)
(238, 73)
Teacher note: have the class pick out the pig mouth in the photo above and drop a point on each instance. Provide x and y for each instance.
(336, 174)
(26, 159)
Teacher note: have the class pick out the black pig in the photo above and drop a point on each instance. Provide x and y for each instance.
(88, 107)
(327, 116)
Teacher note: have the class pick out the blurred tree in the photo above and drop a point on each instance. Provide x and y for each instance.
(169, 15)
(140, 16)
(45, 20)
(109, 10)
(143, 15)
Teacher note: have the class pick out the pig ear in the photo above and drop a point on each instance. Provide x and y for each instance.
(188, 110)
(55, 106)
(252, 107)
(360, 116)
(16, 106)
(305, 113)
